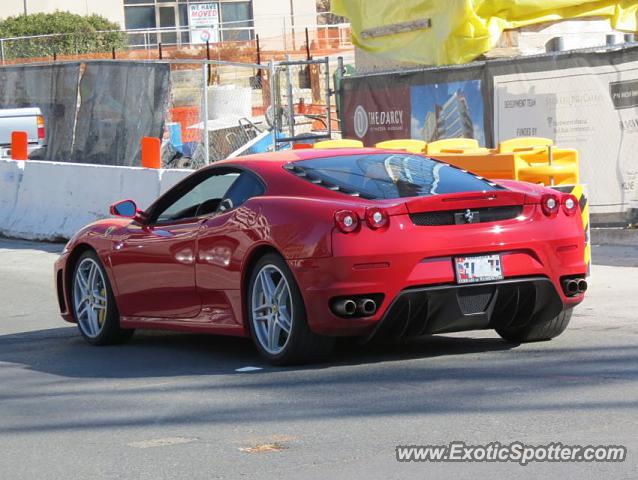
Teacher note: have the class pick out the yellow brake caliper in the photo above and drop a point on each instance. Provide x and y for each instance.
(102, 315)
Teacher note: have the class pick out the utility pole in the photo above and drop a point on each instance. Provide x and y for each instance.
(292, 23)
(25, 7)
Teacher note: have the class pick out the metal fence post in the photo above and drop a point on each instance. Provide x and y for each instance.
(205, 113)
(338, 75)
(291, 100)
(258, 51)
(284, 32)
(328, 93)
(271, 74)
(2, 50)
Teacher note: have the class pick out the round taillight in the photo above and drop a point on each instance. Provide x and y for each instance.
(550, 204)
(376, 218)
(346, 220)
(570, 204)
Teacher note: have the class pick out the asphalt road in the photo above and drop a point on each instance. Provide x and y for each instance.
(173, 406)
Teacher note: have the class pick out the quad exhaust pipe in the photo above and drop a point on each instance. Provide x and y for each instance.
(366, 307)
(570, 287)
(574, 286)
(582, 285)
(347, 307)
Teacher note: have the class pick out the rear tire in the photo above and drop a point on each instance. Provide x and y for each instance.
(277, 316)
(93, 303)
(538, 331)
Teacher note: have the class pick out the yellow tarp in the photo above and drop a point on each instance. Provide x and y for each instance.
(461, 30)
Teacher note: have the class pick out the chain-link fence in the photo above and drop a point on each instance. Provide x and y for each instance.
(274, 39)
(302, 100)
(215, 109)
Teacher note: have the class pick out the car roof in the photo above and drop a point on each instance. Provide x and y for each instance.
(286, 156)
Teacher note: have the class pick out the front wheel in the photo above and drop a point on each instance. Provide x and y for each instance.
(94, 306)
(277, 316)
(535, 332)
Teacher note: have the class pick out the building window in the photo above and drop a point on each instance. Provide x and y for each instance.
(236, 19)
(139, 17)
(237, 15)
(183, 23)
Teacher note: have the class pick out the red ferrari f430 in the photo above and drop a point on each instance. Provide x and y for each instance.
(296, 248)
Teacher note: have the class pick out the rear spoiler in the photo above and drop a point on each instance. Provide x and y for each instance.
(460, 201)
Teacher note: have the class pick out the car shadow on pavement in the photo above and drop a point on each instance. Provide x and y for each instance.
(187, 380)
(13, 244)
(61, 351)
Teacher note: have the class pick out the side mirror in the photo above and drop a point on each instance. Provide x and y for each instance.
(126, 209)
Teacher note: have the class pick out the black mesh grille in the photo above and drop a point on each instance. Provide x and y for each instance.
(474, 299)
(451, 217)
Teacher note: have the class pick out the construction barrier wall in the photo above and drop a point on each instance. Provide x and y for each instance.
(120, 102)
(52, 88)
(42, 200)
(95, 112)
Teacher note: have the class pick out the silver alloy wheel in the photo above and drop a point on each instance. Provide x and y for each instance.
(89, 297)
(271, 306)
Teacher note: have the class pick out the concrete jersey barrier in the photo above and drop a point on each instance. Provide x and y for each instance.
(52, 200)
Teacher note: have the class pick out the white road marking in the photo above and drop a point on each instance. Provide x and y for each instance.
(248, 369)
(162, 442)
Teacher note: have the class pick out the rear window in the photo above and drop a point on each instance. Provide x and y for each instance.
(388, 176)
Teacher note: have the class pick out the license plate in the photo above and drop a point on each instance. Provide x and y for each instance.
(482, 268)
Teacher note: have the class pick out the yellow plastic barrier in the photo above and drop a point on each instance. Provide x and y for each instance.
(454, 145)
(528, 159)
(466, 153)
(485, 164)
(549, 166)
(520, 144)
(406, 144)
(343, 143)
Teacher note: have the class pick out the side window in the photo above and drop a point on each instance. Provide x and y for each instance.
(202, 199)
(245, 187)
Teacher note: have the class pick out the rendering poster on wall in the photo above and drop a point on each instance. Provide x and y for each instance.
(447, 110)
(203, 19)
(378, 114)
(593, 109)
(429, 106)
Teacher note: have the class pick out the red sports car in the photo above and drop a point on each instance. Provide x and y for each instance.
(296, 248)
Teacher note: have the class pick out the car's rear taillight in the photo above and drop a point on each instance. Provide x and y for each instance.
(376, 218)
(41, 132)
(570, 204)
(550, 204)
(346, 220)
